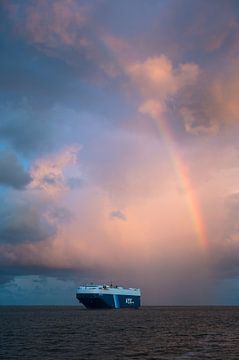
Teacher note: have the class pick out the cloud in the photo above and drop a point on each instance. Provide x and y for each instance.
(48, 174)
(193, 33)
(74, 182)
(118, 215)
(35, 216)
(204, 102)
(24, 222)
(88, 238)
(33, 133)
(158, 236)
(51, 23)
(11, 172)
(156, 77)
(115, 205)
(159, 83)
(64, 47)
(212, 104)
(23, 129)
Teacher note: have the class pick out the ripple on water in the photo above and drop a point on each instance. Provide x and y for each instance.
(150, 333)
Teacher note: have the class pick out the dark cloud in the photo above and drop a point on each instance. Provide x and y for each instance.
(24, 223)
(118, 215)
(25, 130)
(5, 279)
(61, 214)
(9, 272)
(50, 179)
(11, 172)
(74, 182)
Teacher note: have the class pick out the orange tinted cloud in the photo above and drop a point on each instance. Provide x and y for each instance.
(159, 83)
(48, 174)
(204, 102)
(157, 78)
(156, 243)
(91, 237)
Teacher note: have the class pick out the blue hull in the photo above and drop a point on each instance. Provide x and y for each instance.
(109, 301)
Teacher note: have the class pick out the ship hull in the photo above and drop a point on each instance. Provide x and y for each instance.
(109, 301)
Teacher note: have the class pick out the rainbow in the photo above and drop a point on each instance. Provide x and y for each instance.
(156, 111)
(184, 177)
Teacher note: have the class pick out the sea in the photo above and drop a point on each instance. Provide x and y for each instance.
(72, 333)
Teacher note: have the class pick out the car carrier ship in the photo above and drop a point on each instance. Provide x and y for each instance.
(108, 297)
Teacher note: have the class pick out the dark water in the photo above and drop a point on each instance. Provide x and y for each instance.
(149, 333)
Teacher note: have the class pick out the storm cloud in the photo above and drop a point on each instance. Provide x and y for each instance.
(24, 224)
(12, 172)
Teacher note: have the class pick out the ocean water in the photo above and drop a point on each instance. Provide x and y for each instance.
(71, 333)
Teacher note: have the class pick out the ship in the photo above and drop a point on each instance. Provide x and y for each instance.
(108, 296)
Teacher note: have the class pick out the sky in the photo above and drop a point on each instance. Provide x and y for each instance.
(119, 151)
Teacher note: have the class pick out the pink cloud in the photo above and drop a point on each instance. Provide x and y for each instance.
(157, 240)
(158, 82)
(156, 77)
(48, 175)
(205, 102)
(212, 104)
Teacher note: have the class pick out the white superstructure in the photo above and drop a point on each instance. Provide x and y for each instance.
(107, 289)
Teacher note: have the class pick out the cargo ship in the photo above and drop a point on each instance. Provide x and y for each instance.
(108, 297)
